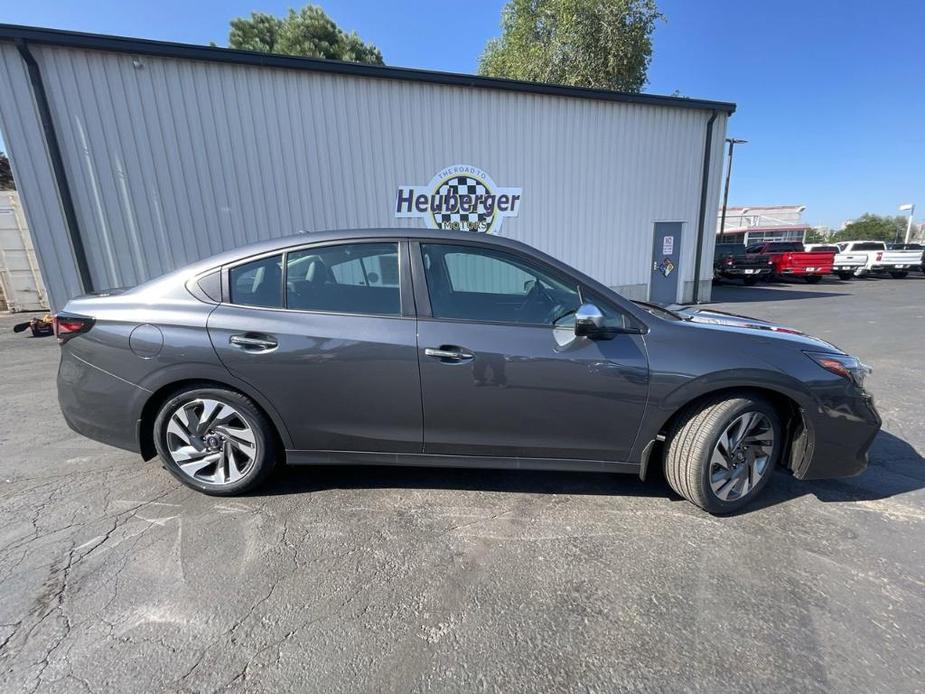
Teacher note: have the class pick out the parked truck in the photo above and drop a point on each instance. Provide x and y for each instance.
(790, 259)
(910, 247)
(730, 261)
(845, 265)
(881, 259)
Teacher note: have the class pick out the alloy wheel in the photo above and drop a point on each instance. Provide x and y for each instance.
(741, 456)
(211, 442)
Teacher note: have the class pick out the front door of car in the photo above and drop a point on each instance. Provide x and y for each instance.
(497, 379)
(327, 334)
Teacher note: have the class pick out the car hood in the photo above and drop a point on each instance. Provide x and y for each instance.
(731, 322)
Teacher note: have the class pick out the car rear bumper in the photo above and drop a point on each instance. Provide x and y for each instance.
(744, 272)
(99, 405)
(840, 432)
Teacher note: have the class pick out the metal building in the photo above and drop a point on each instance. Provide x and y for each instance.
(134, 157)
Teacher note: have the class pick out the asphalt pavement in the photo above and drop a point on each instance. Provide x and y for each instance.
(114, 578)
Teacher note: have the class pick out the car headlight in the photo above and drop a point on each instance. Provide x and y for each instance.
(842, 365)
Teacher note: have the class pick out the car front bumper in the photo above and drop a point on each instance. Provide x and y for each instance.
(839, 431)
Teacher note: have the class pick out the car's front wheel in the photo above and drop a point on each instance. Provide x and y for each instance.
(720, 454)
(214, 440)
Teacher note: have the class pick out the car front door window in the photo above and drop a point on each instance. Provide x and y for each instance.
(485, 285)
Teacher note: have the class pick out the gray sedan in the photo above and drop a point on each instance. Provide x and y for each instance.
(401, 347)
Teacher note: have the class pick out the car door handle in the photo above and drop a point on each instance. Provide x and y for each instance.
(254, 343)
(450, 353)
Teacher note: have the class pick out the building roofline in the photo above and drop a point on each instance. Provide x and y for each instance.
(166, 49)
(778, 227)
(766, 207)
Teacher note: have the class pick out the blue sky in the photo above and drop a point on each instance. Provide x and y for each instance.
(831, 94)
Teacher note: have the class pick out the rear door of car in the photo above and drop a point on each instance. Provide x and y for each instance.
(327, 333)
(499, 380)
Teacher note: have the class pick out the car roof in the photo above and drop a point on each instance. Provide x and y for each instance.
(284, 242)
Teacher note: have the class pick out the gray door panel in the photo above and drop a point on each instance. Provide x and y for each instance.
(522, 395)
(666, 253)
(340, 382)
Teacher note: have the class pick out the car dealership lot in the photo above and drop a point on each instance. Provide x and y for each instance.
(116, 578)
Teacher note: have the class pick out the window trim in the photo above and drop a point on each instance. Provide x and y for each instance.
(406, 301)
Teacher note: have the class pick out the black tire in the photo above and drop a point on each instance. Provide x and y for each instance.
(845, 275)
(813, 279)
(750, 281)
(266, 450)
(898, 274)
(690, 443)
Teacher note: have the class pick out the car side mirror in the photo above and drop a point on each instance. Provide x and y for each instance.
(589, 320)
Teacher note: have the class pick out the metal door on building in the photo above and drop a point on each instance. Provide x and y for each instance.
(20, 280)
(666, 253)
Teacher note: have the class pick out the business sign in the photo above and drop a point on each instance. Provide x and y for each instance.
(459, 197)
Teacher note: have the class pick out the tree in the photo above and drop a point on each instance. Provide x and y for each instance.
(874, 227)
(817, 235)
(309, 32)
(6, 173)
(606, 44)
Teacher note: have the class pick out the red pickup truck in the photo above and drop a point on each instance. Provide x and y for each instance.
(789, 259)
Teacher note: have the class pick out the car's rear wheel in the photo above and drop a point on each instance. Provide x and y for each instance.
(845, 275)
(214, 440)
(898, 275)
(720, 454)
(813, 279)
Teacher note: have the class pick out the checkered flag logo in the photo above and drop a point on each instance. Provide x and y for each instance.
(459, 197)
(464, 185)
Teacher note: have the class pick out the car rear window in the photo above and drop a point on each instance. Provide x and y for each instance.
(825, 249)
(360, 278)
(785, 247)
(258, 283)
(869, 246)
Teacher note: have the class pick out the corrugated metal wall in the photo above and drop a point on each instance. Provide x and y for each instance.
(172, 160)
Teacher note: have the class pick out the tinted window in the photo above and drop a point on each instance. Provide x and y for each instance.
(869, 246)
(346, 278)
(824, 249)
(259, 283)
(473, 283)
(785, 247)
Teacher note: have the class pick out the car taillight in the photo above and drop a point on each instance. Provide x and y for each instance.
(879, 255)
(68, 325)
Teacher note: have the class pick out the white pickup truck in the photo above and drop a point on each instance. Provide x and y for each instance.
(845, 265)
(880, 259)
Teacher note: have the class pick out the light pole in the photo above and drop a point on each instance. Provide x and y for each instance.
(722, 222)
(910, 208)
